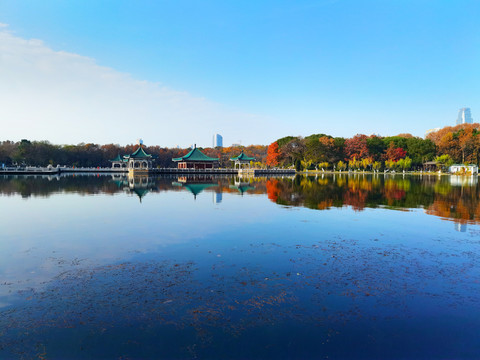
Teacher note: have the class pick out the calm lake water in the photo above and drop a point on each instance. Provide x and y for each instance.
(327, 267)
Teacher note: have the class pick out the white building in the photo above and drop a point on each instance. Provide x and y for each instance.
(463, 169)
(464, 116)
(217, 140)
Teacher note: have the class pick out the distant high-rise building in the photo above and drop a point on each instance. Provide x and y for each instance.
(217, 140)
(464, 116)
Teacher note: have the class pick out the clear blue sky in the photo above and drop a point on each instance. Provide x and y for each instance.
(277, 67)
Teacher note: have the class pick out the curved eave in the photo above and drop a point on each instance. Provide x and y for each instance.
(199, 161)
(242, 157)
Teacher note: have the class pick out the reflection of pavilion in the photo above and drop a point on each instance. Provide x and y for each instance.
(241, 186)
(195, 184)
(139, 185)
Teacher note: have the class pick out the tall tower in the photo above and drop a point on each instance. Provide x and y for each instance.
(217, 140)
(464, 116)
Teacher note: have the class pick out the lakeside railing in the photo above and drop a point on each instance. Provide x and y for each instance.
(63, 169)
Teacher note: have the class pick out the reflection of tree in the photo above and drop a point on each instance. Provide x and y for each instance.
(395, 190)
(28, 186)
(461, 204)
(273, 189)
(436, 195)
(440, 196)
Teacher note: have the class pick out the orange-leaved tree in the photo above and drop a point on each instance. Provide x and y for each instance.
(273, 154)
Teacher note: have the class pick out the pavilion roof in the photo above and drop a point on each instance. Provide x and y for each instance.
(195, 188)
(140, 192)
(195, 155)
(242, 157)
(242, 188)
(118, 158)
(139, 154)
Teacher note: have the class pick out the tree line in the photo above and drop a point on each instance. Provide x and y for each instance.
(459, 144)
(43, 153)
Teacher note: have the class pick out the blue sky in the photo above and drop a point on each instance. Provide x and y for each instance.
(253, 71)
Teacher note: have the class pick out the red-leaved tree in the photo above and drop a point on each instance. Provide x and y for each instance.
(356, 147)
(273, 154)
(393, 153)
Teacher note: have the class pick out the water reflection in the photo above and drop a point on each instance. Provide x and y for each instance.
(176, 276)
(454, 198)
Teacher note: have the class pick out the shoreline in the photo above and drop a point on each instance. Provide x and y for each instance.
(316, 172)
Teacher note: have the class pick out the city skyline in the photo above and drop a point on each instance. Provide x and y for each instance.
(103, 72)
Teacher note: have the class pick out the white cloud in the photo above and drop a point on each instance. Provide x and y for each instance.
(68, 98)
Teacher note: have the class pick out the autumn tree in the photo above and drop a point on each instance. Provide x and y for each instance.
(354, 163)
(356, 147)
(394, 153)
(273, 154)
(460, 142)
(366, 162)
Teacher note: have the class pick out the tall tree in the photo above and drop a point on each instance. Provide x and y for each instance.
(356, 147)
(376, 147)
(394, 153)
(273, 154)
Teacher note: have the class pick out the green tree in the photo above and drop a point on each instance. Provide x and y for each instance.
(420, 150)
(444, 161)
(404, 164)
(376, 147)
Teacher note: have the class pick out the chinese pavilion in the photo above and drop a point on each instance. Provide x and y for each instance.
(195, 159)
(242, 159)
(139, 160)
(119, 162)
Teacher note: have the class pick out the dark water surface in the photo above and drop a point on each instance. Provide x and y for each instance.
(327, 267)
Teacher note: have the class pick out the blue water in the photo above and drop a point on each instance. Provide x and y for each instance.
(92, 267)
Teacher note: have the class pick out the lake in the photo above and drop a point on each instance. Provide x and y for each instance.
(322, 267)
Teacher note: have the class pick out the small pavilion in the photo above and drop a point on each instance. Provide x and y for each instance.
(195, 159)
(119, 162)
(139, 160)
(242, 159)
